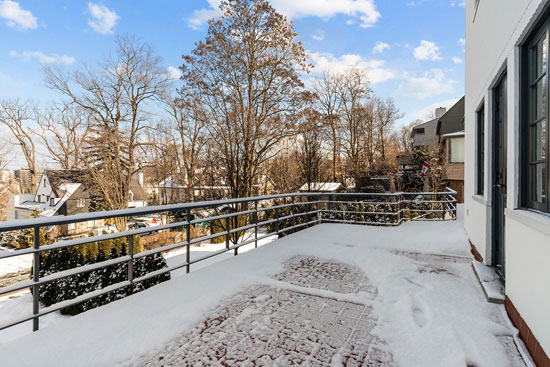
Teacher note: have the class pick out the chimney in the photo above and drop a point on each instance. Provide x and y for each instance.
(440, 111)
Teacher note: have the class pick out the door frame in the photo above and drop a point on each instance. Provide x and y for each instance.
(498, 200)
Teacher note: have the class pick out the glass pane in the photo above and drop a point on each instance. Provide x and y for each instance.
(537, 141)
(457, 150)
(538, 100)
(538, 179)
(539, 56)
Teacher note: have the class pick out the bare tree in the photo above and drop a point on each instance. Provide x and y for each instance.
(309, 152)
(284, 173)
(189, 120)
(15, 115)
(115, 95)
(63, 130)
(386, 113)
(357, 118)
(328, 103)
(246, 76)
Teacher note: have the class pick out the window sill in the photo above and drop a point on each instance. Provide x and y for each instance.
(480, 199)
(535, 220)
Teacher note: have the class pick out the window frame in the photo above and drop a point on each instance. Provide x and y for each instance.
(80, 202)
(542, 28)
(480, 150)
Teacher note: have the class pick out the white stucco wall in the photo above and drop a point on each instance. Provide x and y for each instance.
(492, 40)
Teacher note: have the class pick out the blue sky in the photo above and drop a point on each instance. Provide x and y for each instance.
(412, 49)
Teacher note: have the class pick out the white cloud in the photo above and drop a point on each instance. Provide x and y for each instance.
(328, 62)
(380, 47)
(319, 35)
(457, 60)
(364, 10)
(103, 19)
(427, 51)
(430, 83)
(460, 3)
(200, 17)
(43, 58)
(15, 16)
(462, 42)
(173, 73)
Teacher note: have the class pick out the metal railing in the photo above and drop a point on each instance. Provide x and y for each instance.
(277, 214)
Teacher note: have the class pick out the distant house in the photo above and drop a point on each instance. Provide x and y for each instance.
(425, 134)
(450, 130)
(322, 187)
(65, 192)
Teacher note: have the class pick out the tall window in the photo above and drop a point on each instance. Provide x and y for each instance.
(536, 184)
(480, 151)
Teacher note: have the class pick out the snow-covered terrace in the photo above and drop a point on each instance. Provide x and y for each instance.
(329, 295)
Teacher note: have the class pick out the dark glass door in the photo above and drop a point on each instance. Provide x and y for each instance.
(499, 175)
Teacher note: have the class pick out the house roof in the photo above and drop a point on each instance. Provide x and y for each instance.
(423, 125)
(59, 177)
(453, 120)
(322, 186)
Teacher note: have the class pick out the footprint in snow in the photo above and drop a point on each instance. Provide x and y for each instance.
(419, 316)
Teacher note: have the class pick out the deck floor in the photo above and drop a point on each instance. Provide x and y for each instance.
(310, 322)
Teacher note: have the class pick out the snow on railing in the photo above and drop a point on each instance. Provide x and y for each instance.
(278, 215)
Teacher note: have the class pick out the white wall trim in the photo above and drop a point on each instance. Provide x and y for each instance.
(480, 199)
(537, 221)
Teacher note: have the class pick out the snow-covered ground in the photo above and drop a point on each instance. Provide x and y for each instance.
(428, 307)
(16, 305)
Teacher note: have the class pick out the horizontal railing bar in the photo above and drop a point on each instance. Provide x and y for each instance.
(209, 237)
(361, 202)
(362, 222)
(354, 212)
(133, 212)
(103, 237)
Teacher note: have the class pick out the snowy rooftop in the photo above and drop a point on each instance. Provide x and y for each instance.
(330, 295)
(321, 186)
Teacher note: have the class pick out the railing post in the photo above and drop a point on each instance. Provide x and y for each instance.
(277, 221)
(398, 208)
(292, 220)
(227, 232)
(188, 240)
(131, 261)
(455, 206)
(36, 278)
(308, 206)
(329, 205)
(255, 223)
